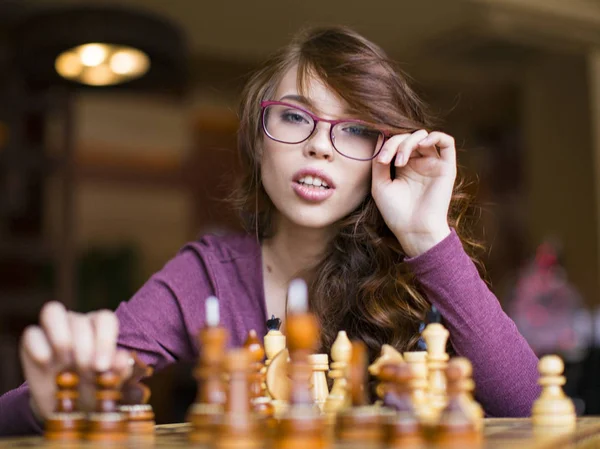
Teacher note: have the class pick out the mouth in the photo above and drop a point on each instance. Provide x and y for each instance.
(313, 182)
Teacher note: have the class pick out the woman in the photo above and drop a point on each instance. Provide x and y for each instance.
(343, 186)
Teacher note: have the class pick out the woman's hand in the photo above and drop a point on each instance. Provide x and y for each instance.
(415, 204)
(85, 343)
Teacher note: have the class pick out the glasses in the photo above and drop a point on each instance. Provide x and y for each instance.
(354, 139)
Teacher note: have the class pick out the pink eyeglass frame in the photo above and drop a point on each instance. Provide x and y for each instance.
(317, 119)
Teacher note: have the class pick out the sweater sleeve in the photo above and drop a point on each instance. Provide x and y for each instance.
(504, 366)
(16, 416)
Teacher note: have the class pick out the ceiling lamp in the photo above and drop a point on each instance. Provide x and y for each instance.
(100, 64)
(100, 46)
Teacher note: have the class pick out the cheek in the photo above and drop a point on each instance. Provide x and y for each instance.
(271, 166)
(362, 185)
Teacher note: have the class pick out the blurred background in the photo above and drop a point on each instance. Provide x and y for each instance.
(112, 156)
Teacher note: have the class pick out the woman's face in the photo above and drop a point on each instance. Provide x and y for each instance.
(291, 173)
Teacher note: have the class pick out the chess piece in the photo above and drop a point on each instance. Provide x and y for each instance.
(134, 400)
(553, 408)
(475, 409)
(319, 387)
(388, 355)
(261, 404)
(302, 424)
(207, 410)
(278, 382)
(341, 351)
(238, 428)
(106, 423)
(456, 426)
(417, 361)
(360, 424)
(436, 337)
(66, 423)
(274, 343)
(402, 428)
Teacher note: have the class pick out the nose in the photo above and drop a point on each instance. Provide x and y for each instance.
(319, 144)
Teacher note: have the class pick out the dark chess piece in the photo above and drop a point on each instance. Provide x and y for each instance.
(106, 423)
(134, 400)
(258, 396)
(302, 425)
(206, 412)
(402, 428)
(361, 424)
(238, 428)
(66, 423)
(457, 426)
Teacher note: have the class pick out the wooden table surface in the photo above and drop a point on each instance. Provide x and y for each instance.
(499, 433)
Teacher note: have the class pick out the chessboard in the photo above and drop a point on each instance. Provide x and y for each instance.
(498, 433)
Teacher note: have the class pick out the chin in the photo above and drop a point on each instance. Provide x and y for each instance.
(310, 217)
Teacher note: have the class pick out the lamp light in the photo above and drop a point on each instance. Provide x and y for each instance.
(100, 46)
(99, 64)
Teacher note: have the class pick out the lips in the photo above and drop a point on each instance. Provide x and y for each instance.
(313, 185)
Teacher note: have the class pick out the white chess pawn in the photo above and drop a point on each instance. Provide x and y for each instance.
(553, 408)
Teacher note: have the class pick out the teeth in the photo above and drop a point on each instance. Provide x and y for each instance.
(313, 181)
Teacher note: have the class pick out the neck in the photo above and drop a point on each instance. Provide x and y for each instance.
(294, 250)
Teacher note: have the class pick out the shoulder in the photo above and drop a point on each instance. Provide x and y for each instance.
(225, 248)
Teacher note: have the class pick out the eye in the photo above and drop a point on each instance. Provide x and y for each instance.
(294, 116)
(357, 130)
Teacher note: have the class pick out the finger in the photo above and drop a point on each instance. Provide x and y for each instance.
(445, 143)
(389, 149)
(123, 364)
(35, 346)
(55, 324)
(106, 330)
(83, 343)
(380, 174)
(408, 146)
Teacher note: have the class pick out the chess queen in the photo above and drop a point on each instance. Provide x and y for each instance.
(344, 182)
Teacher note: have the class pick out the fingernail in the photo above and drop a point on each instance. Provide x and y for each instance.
(400, 159)
(102, 363)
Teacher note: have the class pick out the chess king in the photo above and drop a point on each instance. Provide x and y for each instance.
(344, 182)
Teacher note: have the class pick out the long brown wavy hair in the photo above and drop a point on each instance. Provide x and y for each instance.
(360, 285)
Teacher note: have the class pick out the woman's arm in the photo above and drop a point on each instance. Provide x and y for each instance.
(504, 366)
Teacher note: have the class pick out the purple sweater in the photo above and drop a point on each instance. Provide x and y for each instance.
(162, 320)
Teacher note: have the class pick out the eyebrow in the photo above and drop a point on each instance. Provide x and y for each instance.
(299, 98)
(306, 102)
